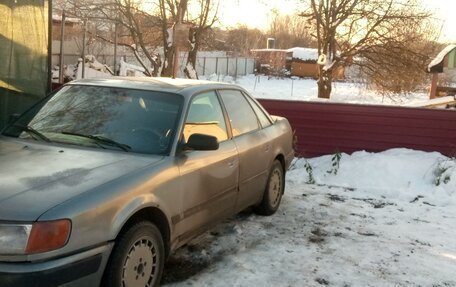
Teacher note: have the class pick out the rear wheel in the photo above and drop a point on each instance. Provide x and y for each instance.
(137, 259)
(274, 190)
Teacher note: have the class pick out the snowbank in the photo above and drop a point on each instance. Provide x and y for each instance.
(400, 174)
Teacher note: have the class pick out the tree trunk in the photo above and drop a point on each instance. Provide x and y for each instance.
(190, 67)
(324, 83)
(167, 70)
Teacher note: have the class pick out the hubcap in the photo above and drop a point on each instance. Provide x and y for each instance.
(275, 187)
(140, 265)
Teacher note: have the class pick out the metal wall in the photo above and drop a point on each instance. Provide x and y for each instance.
(323, 128)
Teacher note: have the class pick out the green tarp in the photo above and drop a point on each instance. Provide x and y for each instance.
(23, 54)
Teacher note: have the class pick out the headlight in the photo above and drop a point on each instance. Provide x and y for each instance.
(13, 238)
(43, 236)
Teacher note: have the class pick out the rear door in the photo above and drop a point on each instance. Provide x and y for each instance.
(209, 178)
(253, 146)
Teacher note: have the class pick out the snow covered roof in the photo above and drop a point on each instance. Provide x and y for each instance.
(438, 60)
(268, 50)
(304, 53)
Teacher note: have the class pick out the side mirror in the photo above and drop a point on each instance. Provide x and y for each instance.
(13, 117)
(202, 142)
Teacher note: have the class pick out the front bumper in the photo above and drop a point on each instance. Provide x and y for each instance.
(81, 269)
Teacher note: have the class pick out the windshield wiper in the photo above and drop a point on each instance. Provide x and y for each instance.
(101, 140)
(31, 131)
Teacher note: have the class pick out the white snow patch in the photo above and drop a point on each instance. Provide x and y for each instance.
(435, 102)
(191, 71)
(170, 37)
(394, 174)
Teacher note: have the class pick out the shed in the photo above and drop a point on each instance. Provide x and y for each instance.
(302, 62)
(446, 59)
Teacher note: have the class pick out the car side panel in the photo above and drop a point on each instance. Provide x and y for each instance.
(209, 180)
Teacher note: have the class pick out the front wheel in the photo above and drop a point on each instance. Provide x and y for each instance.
(137, 259)
(274, 190)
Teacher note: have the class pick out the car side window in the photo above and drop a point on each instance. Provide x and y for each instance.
(264, 120)
(205, 116)
(241, 114)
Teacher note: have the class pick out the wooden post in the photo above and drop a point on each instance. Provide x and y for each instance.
(204, 66)
(245, 67)
(236, 69)
(227, 65)
(435, 79)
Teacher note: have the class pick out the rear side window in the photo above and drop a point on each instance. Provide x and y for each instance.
(264, 120)
(241, 114)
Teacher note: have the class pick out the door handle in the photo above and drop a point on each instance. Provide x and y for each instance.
(267, 147)
(231, 163)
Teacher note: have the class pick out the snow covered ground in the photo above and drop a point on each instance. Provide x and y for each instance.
(306, 90)
(380, 221)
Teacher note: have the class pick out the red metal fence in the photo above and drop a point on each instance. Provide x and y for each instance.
(323, 128)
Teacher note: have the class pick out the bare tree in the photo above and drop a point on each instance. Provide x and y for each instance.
(290, 31)
(345, 29)
(169, 15)
(396, 68)
(139, 28)
(242, 39)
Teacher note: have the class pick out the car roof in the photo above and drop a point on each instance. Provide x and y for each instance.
(179, 86)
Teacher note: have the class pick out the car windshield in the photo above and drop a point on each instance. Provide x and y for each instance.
(105, 117)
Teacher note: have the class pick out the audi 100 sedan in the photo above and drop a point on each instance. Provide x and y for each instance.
(101, 180)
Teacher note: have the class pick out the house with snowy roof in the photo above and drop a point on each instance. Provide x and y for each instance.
(444, 62)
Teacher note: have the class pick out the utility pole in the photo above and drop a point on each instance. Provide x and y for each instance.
(62, 37)
(115, 48)
(83, 48)
(49, 66)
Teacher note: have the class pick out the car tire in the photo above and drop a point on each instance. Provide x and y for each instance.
(274, 190)
(137, 258)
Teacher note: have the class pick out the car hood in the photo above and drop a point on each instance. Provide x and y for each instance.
(35, 177)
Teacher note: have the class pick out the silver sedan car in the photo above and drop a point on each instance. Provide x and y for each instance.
(103, 179)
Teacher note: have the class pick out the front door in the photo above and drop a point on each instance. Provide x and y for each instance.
(209, 178)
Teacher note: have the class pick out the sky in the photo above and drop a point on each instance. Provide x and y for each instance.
(255, 13)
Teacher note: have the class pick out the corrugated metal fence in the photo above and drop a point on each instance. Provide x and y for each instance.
(323, 128)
